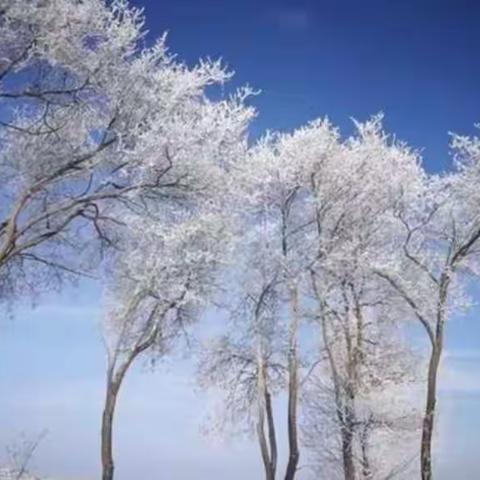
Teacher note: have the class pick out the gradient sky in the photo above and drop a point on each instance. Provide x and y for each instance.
(415, 60)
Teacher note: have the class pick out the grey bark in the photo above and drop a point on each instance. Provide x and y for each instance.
(294, 454)
(430, 404)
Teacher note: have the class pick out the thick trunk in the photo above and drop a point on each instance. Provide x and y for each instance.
(294, 453)
(107, 424)
(347, 455)
(347, 435)
(366, 469)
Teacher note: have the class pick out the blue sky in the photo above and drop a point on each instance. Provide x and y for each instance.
(415, 60)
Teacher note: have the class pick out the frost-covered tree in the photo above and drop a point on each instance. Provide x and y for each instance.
(161, 280)
(355, 194)
(92, 119)
(438, 252)
(352, 408)
(383, 435)
(324, 204)
(275, 186)
(247, 364)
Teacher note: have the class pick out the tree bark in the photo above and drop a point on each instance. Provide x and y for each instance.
(272, 439)
(114, 382)
(267, 450)
(347, 464)
(366, 469)
(294, 454)
(107, 429)
(436, 354)
(262, 441)
(117, 370)
(347, 455)
(267, 463)
(429, 416)
(347, 435)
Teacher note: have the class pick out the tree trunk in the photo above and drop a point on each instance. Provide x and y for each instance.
(262, 441)
(107, 424)
(117, 369)
(264, 406)
(267, 464)
(339, 406)
(366, 469)
(347, 456)
(294, 453)
(429, 417)
(347, 435)
(437, 346)
(272, 439)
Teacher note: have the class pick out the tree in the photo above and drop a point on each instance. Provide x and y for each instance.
(276, 212)
(175, 241)
(90, 120)
(355, 193)
(247, 364)
(439, 250)
(21, 454)
(275, 180)
(160, 283)
(360, 409)
(383, 436)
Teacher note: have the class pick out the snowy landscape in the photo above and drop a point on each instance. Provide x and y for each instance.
(208, 274)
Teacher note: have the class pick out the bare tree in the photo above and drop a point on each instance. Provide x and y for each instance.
(21, 454)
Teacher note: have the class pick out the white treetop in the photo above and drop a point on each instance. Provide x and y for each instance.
(91, 119)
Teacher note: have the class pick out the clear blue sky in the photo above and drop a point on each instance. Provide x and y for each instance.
(415, 60)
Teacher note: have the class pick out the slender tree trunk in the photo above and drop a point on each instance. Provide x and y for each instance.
(262, 441)
(114, 381)
(264, 406)
(118, 366)
(429, 416)
(339, 405)
(436, 354)
(272, 439)
(294, 453)
(107, 427)
(268, 450)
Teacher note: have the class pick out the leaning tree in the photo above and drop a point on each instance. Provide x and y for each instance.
(159, 282)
